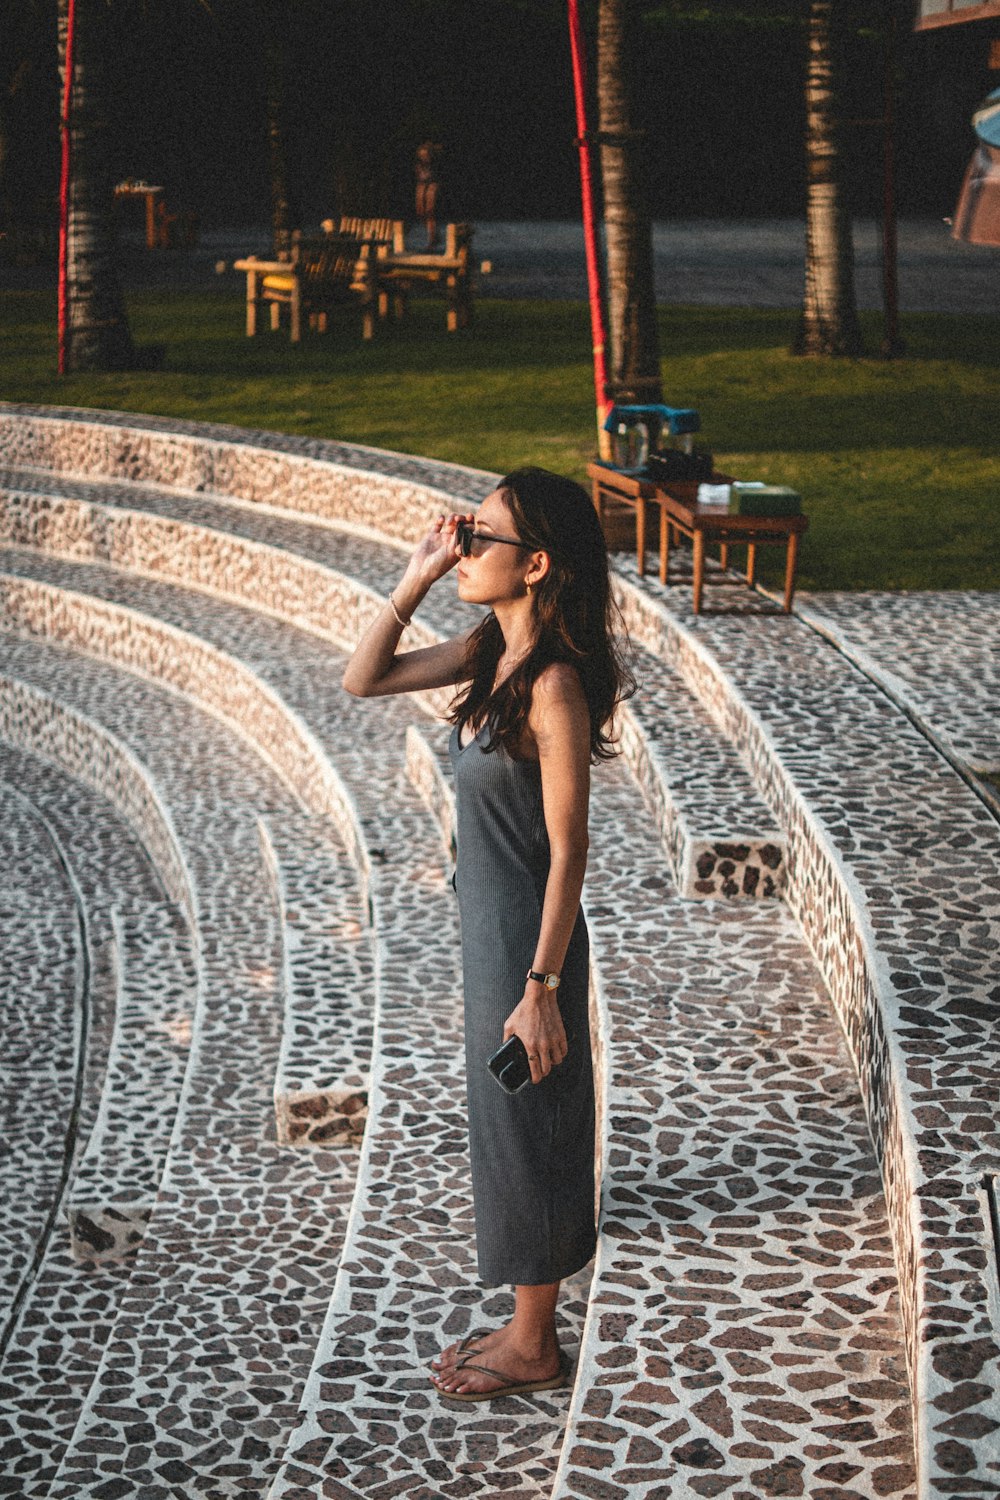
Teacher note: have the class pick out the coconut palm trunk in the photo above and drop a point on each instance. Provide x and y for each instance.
(99, 337)
(634, 343)
(829, 311)
(284, 211)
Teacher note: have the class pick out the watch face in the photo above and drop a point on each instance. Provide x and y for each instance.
(552, 981)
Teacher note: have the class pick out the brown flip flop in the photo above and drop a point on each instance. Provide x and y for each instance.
(509, 1387)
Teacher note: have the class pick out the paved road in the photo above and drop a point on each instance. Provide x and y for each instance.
(711, 262)
(714, 262)
(751, 263)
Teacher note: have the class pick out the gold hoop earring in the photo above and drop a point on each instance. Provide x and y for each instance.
(527, 589)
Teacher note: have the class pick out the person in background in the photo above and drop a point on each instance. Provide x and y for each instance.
(427, 172)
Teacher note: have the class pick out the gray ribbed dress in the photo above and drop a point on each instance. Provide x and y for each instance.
(532, 1152)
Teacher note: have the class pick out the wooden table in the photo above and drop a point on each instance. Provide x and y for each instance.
(680, 514)
(152, 196)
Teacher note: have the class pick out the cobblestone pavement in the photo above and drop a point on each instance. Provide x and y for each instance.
(743, 1334)
(939, 653)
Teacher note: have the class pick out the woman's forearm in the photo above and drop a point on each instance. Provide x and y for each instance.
(563, 889)
(376, 651)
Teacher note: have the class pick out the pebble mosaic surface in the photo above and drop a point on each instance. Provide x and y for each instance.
(742, 1334)
(939, 653)
(321, 1086)
(42, 999)
(894, 874)
(740, 855)
(51, 1355)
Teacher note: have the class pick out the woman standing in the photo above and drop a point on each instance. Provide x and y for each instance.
(541, 677)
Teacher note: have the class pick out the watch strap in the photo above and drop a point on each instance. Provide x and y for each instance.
(550, 981)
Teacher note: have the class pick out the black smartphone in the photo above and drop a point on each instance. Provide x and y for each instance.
(510, 1066)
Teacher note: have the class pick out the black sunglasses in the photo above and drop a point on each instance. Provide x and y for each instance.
(466, 536)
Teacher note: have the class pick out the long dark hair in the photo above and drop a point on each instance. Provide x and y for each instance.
(577, 618)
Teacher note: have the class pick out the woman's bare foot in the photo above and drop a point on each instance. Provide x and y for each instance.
(480, 1339)
(455, 1369)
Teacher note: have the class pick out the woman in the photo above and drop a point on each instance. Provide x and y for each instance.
(541, 677)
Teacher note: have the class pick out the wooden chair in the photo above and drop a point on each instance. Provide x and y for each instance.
(321, 274)
(397, 272)
(372, 231)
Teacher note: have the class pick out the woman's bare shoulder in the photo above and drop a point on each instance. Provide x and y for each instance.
(559, 682)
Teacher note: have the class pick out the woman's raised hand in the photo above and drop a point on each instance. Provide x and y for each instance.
(437, 552)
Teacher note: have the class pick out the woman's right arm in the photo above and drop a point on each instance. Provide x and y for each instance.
(376, 667)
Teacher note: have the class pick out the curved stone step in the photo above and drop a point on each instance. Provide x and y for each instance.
(44, 1000)
(37, 721)
(896, 639)
(40, 601)
(894, 876)
(353, 485)
(743, 1228)
(115, 1183)
(429, 773)
(68, 1309)
(321, 1085)
(721, 838)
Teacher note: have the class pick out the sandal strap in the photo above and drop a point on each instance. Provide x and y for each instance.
(508, 1380)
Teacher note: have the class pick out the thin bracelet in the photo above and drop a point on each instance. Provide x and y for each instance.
(399, 617)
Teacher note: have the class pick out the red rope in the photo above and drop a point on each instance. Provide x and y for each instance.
(64, 178)
(597, 324)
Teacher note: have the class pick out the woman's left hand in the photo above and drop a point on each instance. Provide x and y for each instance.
(536, 1020)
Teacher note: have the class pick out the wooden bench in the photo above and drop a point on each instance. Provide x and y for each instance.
(322, 273)
(397, 272)
(680, 514)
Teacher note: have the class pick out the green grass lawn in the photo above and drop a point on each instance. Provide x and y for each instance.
(896, 460)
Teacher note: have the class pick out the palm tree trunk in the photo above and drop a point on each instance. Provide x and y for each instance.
(99, 337)
(284, 212)
(634, 341)
(829, 311)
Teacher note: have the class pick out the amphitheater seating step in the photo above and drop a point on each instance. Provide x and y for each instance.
(897, 639)
(43, 1013)
(116, 1181)
(903, 924)
(66, 1310)
(321, 1087)
(897, 890)
(720, 836)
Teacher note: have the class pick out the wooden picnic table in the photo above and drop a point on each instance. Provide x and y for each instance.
(680, 514)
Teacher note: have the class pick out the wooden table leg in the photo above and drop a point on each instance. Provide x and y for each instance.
(751, 562)
(150, 221)
(698, 542)
(664, 545)
(251, 304)
(790, 559)
(640, 536)
(724, 555)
